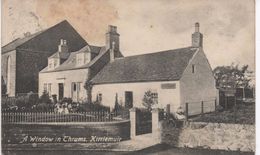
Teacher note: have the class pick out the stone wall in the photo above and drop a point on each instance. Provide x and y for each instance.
(220, 136)
(15, 133)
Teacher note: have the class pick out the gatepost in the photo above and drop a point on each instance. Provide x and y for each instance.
(156, 132)
(132, 122)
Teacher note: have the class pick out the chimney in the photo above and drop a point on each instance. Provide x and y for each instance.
(63, 47)
(112, 36)
(112, 52)
(197, 37)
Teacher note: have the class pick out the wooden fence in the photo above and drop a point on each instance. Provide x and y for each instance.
(42, 117)
(199, 108)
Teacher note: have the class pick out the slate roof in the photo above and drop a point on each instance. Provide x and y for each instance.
(160, 66)
(62, 55)
(18, 42)
(70, 63)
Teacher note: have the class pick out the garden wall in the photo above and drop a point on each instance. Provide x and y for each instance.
(16, 133)
(220, 136)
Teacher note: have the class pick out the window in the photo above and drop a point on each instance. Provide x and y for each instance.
(74, 87)
(86, 57)
(49, 88)
(55, 63)
(193, 69)
(50, 64)
(45, 87)
(99, 98)
(79, 86)
(80, 59)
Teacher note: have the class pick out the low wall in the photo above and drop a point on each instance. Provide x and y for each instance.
(67, 132)
(220, 136)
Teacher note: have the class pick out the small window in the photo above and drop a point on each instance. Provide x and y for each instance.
(193, 69)
(79, 85)
(55, 63)
(45, 87)
(99, 97)
(49, 88)
(74, 87)
(80, 59)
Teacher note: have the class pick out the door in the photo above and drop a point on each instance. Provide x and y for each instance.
(61, 91)
(76, 89)
(129, 99)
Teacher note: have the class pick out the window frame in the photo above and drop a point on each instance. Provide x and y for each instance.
(193, 68)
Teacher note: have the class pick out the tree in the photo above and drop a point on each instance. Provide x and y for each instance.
(148, 100)
(88, 86)
(232, 76)
(117, 106)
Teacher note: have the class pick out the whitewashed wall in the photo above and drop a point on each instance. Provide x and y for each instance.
(165, 96)
(198, 86)
(66, 77)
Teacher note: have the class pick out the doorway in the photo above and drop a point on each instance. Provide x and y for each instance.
(129, 99)
(61, 91)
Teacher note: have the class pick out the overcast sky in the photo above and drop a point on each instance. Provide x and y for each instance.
(144, 25)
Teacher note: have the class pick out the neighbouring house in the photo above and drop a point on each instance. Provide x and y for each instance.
(67, 71)
(23, 58)
(174, 77)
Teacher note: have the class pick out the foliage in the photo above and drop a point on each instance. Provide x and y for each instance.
(148, 101)
(240, 114)
(232, 76)
(66, 100)
(117, 107)
(120, 111)
(94, 107)
(20, 103)
(88, 86)
(45, 98)
(54, 98)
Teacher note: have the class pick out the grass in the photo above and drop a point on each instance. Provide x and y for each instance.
(242, 114)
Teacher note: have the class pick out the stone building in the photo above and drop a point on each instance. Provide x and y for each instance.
(174, 77)
(67, 71)
(23, 58)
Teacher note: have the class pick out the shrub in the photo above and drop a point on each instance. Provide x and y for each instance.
(45, 98)
(66, 100)
(95, 107)
(148, 101)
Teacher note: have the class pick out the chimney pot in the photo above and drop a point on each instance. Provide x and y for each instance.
(112, 28)
(197, 27)
(63, 47)
(197, 37)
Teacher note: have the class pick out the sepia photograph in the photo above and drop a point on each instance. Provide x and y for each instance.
(152, 77)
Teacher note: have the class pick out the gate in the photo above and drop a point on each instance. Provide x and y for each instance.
(143, 121)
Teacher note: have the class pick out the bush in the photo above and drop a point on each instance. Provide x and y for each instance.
(95, 107)
(45, 98)
(148, 101)
(66, 100)
(219, 108)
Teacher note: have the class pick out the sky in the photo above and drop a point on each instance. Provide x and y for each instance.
(145, 26)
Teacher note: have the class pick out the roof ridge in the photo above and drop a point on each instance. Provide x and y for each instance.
(144, 54)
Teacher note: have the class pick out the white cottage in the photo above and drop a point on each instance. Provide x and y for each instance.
(175, 77)
(67, 71)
